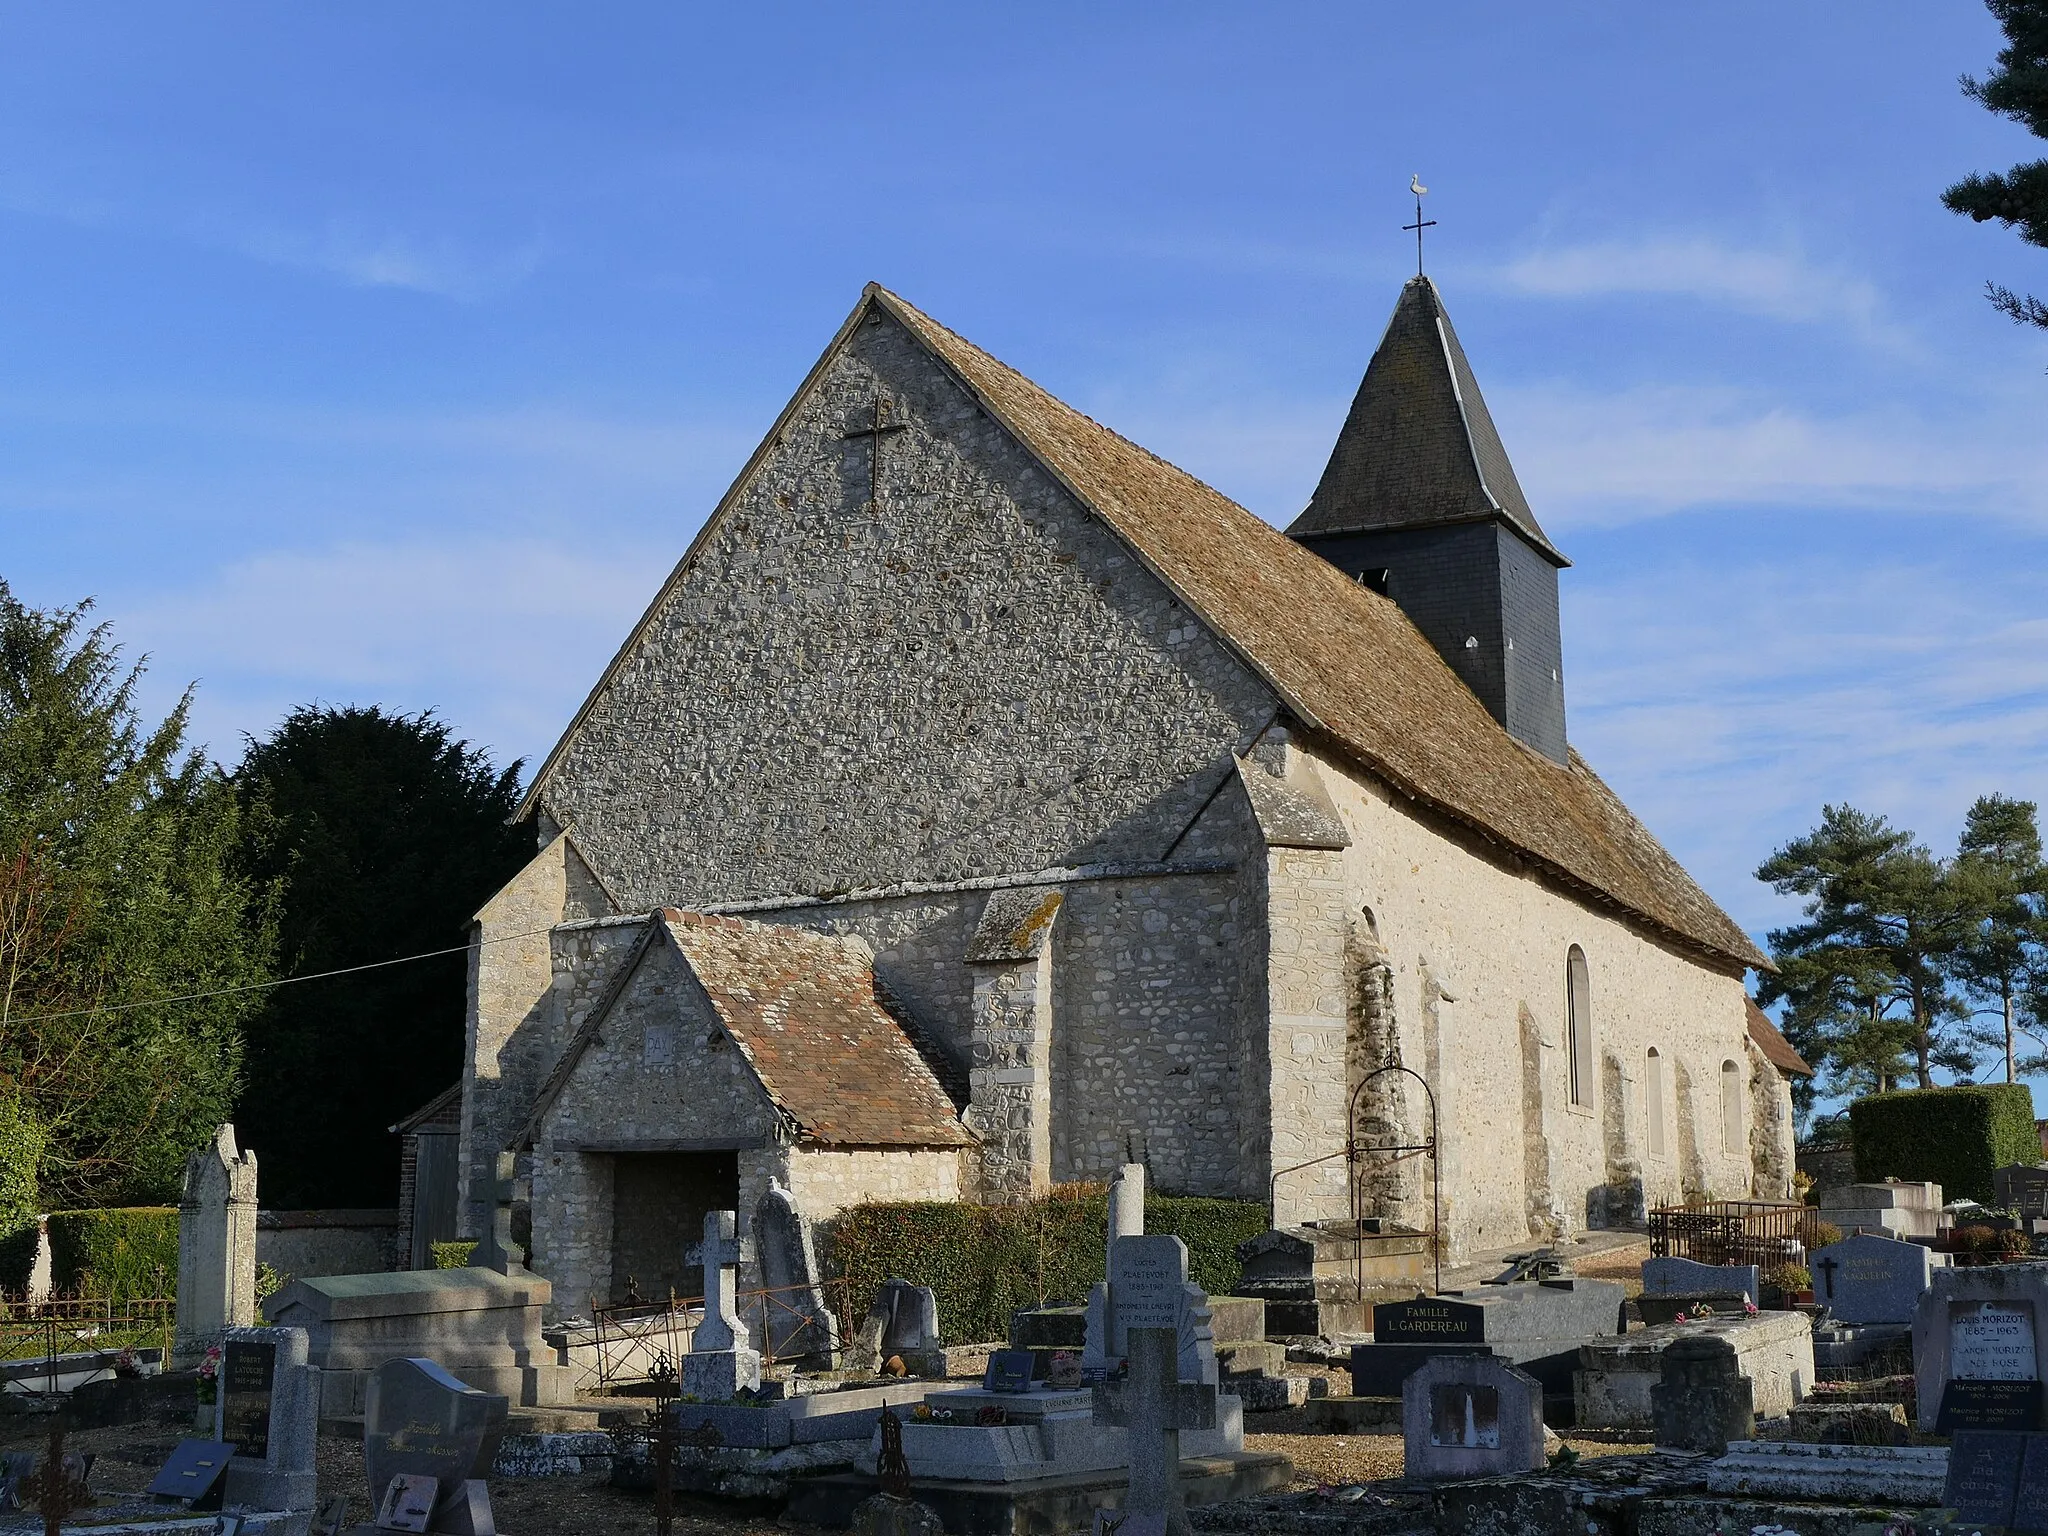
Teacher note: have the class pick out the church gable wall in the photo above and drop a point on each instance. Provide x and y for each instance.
(1479, 955)
(973, 677)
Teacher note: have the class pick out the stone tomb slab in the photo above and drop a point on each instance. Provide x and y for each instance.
(1471, 1416)
(1615, 1376)
(1688, 1277)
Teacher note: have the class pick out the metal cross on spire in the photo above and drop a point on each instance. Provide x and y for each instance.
(1415, 185)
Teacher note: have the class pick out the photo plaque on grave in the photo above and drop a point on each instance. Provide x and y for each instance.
(247, 1369)
(1428, 1320)
(1464, 1416)
(1983, 1475)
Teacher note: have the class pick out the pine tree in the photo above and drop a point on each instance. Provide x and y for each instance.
(1999, 861)
(2017, 198)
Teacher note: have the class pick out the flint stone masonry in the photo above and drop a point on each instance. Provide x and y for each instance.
(1615, 1376)
(864, 706)
(1981, 1323)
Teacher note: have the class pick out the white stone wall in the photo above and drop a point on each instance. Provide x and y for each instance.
(828, 1180)
(1479, 951)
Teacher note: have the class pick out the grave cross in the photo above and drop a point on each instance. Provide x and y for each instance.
(874, 434)
(1827, 1268)
(503, 1255)
(1154, 1405)
(724, 1250)
(55, 1489)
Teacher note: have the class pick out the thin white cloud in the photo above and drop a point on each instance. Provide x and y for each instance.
(503, 638)
(1589, 458)
(1777, 284)
(388, 258)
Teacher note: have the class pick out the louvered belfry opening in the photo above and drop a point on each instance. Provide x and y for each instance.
(1420, 504)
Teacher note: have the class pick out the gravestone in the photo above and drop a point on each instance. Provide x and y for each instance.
(2030, 1502)
(1976, 1324)
(193, 1475)
(1703, 1401)
(1870, 1279)
(910, 1326)
(1686, 1277)
(1984, 1475)
(1009, 1370)
(1101, 1349)
(1536, 1326)
(267, 1411)
(422, 1422)
(1152, 1404)
(721, 1362)
(1471, 1416)
(216, 1245)
(2023, 1188)
(2006, 1405)
(803, 1324)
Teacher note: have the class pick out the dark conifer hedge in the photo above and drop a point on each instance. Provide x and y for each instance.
(1955, 1137)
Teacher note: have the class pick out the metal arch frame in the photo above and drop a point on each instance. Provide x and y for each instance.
(1354, 1153)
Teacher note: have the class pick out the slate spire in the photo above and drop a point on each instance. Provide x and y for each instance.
(1419, 503)
(1419, 448)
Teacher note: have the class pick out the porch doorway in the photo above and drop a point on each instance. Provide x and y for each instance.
(659, 1200)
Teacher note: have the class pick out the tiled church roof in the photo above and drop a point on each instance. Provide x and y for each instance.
(1346, 661)
(1778, 1051)
(1419, 446)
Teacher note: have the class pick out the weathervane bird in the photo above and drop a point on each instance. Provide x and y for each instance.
(1415, 185)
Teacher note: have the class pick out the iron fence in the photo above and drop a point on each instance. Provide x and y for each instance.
(1732, 1231)
(47, 1330)
(785, 1323)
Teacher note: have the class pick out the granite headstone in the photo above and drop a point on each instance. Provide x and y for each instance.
(1871, 1279)
(422, 1422)
(1984, 1475)
(1688, 1277)
(267, 1411)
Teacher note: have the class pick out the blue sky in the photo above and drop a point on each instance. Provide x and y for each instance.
(392, 353)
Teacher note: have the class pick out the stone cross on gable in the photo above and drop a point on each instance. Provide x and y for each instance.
(724, 1251)
(500, 1252)
(1154, 1405)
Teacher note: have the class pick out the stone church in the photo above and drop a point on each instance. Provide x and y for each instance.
(984, 802)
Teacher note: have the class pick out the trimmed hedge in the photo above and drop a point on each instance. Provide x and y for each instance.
(452, 1255)
(1955, 1137)
(984, 1262)
(125, 1252)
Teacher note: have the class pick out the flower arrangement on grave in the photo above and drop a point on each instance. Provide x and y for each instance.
(1748, 1307)
(921, 1412)
(127, 1363)
(209, 1375)
(1698, 1311)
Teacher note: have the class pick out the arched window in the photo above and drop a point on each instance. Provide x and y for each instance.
(1653, 1099)
(1731, 1107)
(1578, 993)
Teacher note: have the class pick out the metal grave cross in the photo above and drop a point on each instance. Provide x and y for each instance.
(874, 434)
(1154, 1405)
(724, 1249)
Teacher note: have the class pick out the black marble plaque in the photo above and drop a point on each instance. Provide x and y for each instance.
(2013, 1405)
(2030, 1508)
(1428, 1320)
(193, 1474)
(1009, 1370)
(1984, 1475)
(246, 1369)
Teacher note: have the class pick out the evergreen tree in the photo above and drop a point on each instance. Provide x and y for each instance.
(386, 835)
(1869, 972)
(1999, 861)
(2018, 89)
(119, 886)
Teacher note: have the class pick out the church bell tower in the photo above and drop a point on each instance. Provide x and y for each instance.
(1419, 503)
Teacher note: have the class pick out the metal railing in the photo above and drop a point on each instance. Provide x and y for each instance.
(1732, 1231)
(785, 1323)
(46, 1330)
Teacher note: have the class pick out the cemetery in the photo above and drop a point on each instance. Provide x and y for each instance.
(1675, 1393)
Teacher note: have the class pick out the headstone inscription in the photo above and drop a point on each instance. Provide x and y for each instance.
(2008, 1405)
(2030, 1502)
(247, 1366)
(420, 1421)
(267, 1413)
(2022, 1187)
(1991, 1341)
(1428, 1320)
(1871, 1279)
(1009, 1370)
(1983, 1475)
